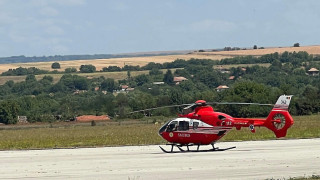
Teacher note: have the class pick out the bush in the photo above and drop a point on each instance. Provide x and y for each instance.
(87, 68)
(55, 65)
(70, 70)
(296, 45)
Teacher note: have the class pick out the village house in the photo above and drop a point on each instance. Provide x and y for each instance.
(222, 88)
(179, 79)
(125, 89)
(313, 72)
(231, 78)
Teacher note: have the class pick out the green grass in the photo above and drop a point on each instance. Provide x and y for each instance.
(79, 136)
(69, 135)
(303, 127)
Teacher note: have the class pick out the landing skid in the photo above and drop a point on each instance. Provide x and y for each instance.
(188, 150)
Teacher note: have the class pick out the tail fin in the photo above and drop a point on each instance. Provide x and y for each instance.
(279, 119)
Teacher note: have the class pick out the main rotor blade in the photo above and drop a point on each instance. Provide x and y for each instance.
(237, 103)
(160, 108)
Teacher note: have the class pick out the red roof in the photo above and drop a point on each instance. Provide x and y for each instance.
(124, 86)
(222, 87)
(179, 79)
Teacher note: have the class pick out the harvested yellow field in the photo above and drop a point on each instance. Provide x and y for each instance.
(258, 52)
(141, 61)
(101, 63)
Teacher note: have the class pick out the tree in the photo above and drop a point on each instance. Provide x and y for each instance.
(31, 78)
(9, 112)
(48, 78)
(276, 65)
(129, 74)
(296, 45)
(155, 71)
(55, 65)
(141, 79)
(80, 83)
(255, 47)
(168, 77)
(121, 101)
(108, 85)
(70, 70)
(87, 68)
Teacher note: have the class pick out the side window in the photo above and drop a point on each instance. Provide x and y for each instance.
(221, 117)
(183, 126)
(195, 125)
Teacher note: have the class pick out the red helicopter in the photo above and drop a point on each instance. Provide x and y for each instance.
(201, 125)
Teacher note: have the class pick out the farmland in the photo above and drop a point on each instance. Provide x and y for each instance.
(141, 61)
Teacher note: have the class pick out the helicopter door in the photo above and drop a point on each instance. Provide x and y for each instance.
(183, 126)
(195, 125)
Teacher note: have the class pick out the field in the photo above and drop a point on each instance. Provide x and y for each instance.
(100, 63)
(70, 135)
(315, 50)
(56, 77)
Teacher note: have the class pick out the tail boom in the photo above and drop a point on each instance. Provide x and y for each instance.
(278, 121)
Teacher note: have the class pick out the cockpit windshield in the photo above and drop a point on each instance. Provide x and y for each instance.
(172, 126)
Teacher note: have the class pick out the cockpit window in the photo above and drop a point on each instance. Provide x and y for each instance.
(172, 126)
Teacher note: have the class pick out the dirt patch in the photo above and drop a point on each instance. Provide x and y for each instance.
(89, 118)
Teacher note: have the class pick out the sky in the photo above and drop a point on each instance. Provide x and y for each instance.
(75, 27)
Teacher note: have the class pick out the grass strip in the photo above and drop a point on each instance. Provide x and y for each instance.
(120, 134)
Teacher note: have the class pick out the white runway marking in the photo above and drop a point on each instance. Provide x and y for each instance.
(250, 160)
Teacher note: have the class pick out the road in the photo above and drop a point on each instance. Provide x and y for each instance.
(250, 160)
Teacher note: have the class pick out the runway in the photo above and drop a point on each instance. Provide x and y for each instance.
(250, 160)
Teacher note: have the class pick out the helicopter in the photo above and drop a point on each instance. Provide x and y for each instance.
(200, 125)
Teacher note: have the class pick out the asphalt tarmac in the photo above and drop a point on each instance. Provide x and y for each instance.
(277, 159)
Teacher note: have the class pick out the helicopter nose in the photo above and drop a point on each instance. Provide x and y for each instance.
(162, 129)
